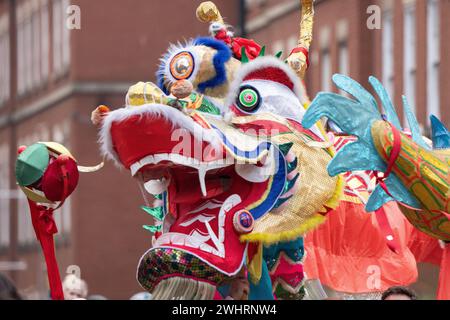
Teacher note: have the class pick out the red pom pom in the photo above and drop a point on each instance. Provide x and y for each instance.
(53, 182)
(21, 149)
(62, 159)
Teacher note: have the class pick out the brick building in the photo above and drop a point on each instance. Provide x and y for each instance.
(52, 77)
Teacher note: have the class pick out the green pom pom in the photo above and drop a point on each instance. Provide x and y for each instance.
(31, 164)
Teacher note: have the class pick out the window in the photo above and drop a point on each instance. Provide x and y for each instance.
(343, 63)
(388, 53)
(28, 53)
(4, 196)
(36, 48)
(4, 59)
(61, 37)
(45, 42)
(409, 75)
(20, 54)
(433, 63)
(343, 58)
(326, 71)
(32, 45)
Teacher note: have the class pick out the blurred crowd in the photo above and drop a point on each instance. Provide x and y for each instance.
(77, 289)
(74, 289)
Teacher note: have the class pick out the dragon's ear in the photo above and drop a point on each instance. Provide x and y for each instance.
(413, 124)
(440, 134)
(244, 58)
(386, 101)
(262, 53)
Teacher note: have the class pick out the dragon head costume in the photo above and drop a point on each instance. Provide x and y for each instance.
(224, 163)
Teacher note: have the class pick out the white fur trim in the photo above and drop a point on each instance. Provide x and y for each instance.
(261, 63)
(177, 118)
(174, 49)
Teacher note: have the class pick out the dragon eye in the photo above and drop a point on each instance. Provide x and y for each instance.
(182, 65)
(249, 99)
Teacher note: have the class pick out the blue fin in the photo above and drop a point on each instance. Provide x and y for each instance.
(356, 156)
(396, 189)
(352, 117)
(440, 134)
(356, 90)
(377, 199)
(355, 117)
(413, 125)
(388, 106)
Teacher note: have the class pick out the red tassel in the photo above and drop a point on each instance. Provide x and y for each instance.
(386, 230)
(45, 227)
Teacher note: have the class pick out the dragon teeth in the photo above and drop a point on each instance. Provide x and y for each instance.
(201, 177)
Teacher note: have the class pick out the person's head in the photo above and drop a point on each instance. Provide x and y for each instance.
(399, 293)
(74, 288)
(7, 289)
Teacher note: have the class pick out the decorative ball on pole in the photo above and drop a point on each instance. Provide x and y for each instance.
(208, 12)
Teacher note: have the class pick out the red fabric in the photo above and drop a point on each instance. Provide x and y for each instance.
(271, 74)
(344, 251)
(444, 276)
(191, 218)
(217, 296)
(386, 230)
(288, 271)
(252, 49)
(152, 134)
(304, 51)
(54, 177)
(425, 248)
(45, 227)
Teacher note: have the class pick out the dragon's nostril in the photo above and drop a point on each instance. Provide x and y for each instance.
(182, 89)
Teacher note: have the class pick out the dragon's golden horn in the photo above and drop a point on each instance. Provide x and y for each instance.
(298, 60)
(306, 24)
(208, 12)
